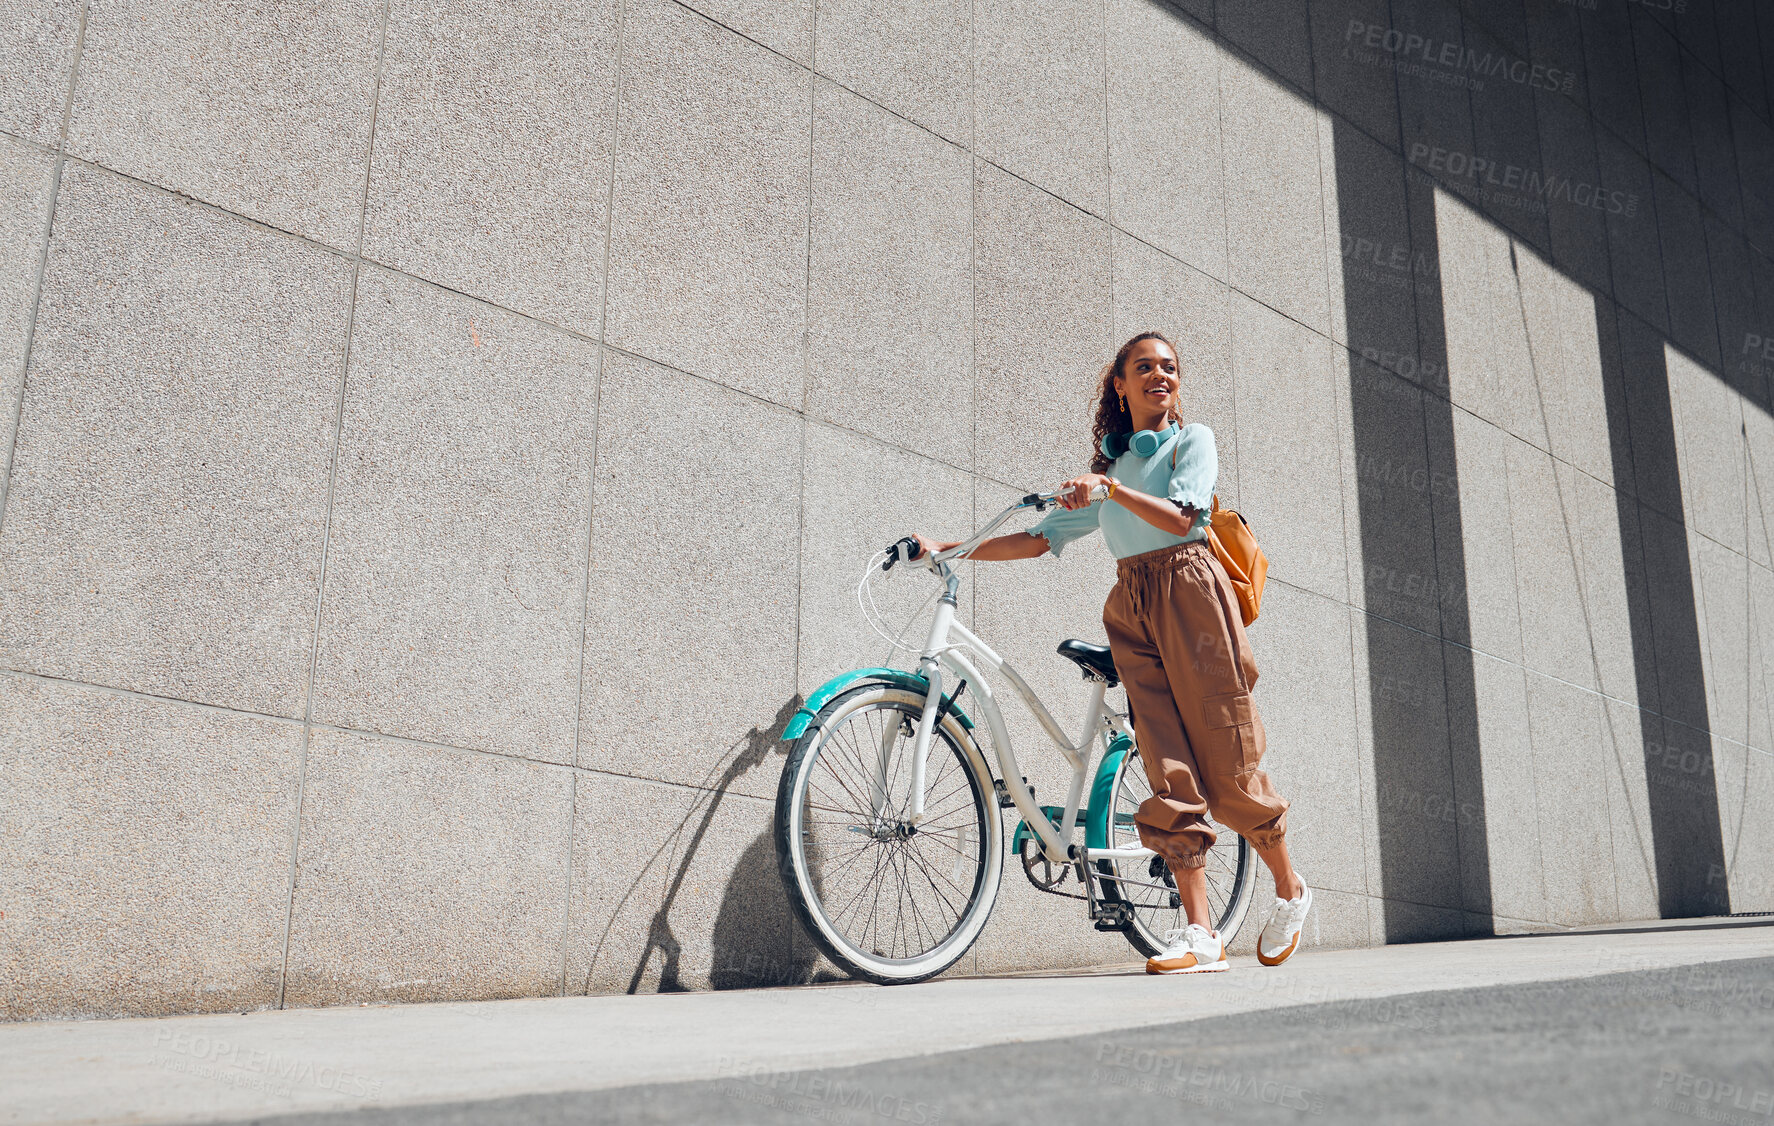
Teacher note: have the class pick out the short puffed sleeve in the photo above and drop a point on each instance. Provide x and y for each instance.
(1063, 525)
(1196, 469)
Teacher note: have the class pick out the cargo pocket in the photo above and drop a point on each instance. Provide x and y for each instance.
(1231, 723)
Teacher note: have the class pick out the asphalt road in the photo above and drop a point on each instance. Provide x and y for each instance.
(1690, 1043)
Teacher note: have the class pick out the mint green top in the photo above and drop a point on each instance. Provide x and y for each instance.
(1190, 483)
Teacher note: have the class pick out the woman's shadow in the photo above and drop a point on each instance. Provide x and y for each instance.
(755, 937)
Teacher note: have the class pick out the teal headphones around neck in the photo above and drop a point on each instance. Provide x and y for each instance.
(1143, 443)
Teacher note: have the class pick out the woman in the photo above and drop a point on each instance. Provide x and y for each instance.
(1179, 646)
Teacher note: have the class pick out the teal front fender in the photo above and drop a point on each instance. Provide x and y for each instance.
(824, 693)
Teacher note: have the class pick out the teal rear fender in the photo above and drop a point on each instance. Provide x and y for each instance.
(1095, 816)
(822, 695)
(1102, 794)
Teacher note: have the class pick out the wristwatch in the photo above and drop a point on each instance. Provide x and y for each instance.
(1113, 485)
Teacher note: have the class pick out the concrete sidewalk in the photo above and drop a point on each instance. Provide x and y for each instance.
(199, 1068)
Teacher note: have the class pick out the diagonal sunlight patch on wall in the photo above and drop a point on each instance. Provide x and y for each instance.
(1633, 693)
(1547, 576)
(1722, 453)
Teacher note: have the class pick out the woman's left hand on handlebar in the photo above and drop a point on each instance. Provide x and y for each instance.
(1081, 485)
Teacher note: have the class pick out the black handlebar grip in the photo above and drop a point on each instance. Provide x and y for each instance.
(906, 548)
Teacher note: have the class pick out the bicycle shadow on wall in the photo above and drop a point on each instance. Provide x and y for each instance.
(753, 935)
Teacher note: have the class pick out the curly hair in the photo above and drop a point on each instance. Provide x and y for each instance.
(1111, 416)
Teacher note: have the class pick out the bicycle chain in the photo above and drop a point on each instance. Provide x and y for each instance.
(1050, 891)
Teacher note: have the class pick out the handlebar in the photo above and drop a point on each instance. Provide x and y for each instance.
(906, 548)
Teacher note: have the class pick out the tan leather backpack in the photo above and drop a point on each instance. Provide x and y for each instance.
(1236, 547)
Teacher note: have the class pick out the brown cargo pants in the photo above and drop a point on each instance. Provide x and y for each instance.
(1181, 652)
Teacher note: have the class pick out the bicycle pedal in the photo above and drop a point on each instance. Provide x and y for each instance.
(1114, 917)
(1004, 799)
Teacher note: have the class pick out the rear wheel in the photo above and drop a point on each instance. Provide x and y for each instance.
(1231, 870)
(886, 899)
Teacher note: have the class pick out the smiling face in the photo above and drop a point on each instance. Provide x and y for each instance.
(1149, 380)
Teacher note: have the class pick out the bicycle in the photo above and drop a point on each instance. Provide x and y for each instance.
(888, 837)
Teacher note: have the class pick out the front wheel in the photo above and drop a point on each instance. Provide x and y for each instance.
(1231, 871)
(885, 899)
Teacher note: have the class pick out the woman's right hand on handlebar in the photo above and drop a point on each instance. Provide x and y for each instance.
(927, 546)
(1080, 487)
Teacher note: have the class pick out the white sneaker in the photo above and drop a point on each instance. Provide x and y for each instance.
(1192, 950)
(1281, 935)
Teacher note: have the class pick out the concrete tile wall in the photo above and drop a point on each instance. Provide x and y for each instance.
(27, 185)
(1758, 433)
(144, 853)
(1306, 695)
(1388, 495)
(1750, 888)
(1167, 176)
(38, 62)
(267, 116)
(1565, 727)
(889, 274)
(1290, 466)
(690, 635)
(165, 519)
(1548, 591)
(1039, 95)
(1631, 735)
(1761, 657)
(1506, 795)
(455, 586)
(1276, 232)
(913, 59)
(784, 27)
(1043, 303)
(860, 497)
(1493, 622)
(470, 426)
(491, 172)
(708, 236)
(1402, 722)
(426, 874)
(698, 906)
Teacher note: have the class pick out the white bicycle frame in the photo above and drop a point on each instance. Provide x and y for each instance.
(944, 650)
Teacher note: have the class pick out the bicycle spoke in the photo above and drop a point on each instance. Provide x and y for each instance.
(839, 781)
(898, 901)
(937, 837)
(911, 898)
(872, 881)
(918, 915)
(875, 904)
(928, 873)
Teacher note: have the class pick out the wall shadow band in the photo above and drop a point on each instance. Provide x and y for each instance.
(1412, 585)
